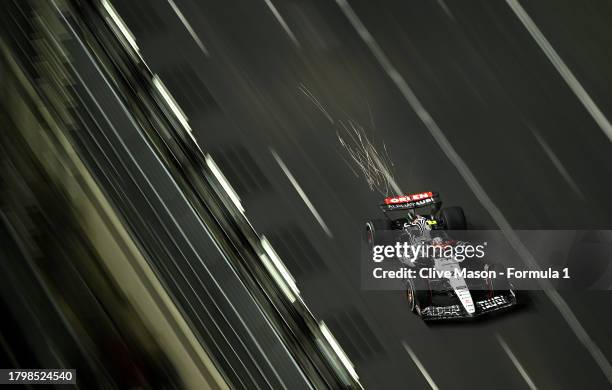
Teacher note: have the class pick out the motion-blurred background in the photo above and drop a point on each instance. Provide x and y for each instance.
(162, 159)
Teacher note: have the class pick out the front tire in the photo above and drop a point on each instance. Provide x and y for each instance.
(411, 297)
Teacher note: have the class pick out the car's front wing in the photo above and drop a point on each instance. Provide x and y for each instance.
(499, 302)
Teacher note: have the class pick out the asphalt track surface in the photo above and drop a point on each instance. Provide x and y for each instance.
(238, 69)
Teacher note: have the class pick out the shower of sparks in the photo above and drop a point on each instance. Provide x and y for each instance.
(365, 159)
(375, 165)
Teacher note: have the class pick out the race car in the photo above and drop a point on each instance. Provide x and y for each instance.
(441, 290)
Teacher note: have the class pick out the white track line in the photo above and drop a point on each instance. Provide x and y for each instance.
(562, 68)
(501, 221)
(517, 364)
(558, 164)
(420, 366)
(282, 22)
(301, 193)
(446, 10)
(190, 30)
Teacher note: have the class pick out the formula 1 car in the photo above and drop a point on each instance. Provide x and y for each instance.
(441, 290)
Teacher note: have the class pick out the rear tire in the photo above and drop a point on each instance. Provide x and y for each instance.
(374, 229)
(454, 218)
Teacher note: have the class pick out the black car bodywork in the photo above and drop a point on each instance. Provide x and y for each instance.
(420, 218)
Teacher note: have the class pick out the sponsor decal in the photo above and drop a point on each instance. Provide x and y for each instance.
(409, 205)
(408, 198)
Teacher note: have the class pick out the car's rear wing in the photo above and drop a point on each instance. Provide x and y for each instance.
(411, 202)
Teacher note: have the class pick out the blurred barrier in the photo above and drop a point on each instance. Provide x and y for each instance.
(120, 327)
(115, 52)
